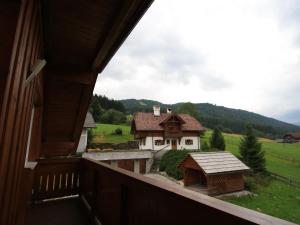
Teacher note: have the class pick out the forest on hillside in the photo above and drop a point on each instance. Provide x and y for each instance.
(106, 110)
(228, 119)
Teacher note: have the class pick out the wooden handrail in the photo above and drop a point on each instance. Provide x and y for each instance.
(56, 178)
(117, 196)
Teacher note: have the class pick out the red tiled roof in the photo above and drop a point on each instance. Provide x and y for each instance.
(295, 135)
(149, 122)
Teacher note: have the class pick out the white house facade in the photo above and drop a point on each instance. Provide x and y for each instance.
(166, 131)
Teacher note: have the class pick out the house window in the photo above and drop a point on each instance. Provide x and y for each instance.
(188, 142)
(159, 142)
(168, 141)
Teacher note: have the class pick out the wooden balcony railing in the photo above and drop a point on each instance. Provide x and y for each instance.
(116, 196)
(56, 178)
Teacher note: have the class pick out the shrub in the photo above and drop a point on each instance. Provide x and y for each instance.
(112, 116)
(118, 131)
(170, 161)
(90, 137)
(205, 147)
(250, 184)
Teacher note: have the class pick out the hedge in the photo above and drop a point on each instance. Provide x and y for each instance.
(171, 160)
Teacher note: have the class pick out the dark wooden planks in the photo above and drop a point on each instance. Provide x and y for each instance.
(118, 196)
(65, 211)
(16, 107)
(8, 21)
(66, 103)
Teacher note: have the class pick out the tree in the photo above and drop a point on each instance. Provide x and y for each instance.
(189, 108)
(112, 116)
(217, 140)
(251, 152)
(96, 111)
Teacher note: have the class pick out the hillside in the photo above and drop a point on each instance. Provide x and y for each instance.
(232, 120)
(297, 123)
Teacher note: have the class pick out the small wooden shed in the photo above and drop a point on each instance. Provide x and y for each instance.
(218, 172)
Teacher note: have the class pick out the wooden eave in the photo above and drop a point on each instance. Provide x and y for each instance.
(80, 37)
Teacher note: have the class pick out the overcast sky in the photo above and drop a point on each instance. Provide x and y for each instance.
(237, 53)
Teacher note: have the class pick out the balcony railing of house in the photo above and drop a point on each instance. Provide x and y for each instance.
(116, 196)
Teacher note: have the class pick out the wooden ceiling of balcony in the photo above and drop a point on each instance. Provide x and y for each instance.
(80, 37)
(83, 35)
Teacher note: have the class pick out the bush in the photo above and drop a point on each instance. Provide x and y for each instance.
(118, 131)
(254, 182)
(250, 184)
(90, 137)
(171, 160)
(112, 116)
(205, 147)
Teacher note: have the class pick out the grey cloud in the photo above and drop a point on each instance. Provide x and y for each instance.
(291, 116)
(171, 60)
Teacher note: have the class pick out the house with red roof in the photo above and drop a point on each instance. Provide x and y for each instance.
(291, 137)
(166, 131)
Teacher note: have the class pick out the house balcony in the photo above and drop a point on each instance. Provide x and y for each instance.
(81, 191)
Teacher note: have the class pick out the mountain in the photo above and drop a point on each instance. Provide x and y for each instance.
(230, 120)
(297, 123)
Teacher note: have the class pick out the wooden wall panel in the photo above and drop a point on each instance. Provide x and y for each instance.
(8, 21)
(16, 108)
(61, 99)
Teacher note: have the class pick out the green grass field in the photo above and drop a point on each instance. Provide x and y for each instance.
(276, 199)
(104, 134)
(282, 159)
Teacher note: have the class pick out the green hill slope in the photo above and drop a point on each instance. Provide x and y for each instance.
(232, 120)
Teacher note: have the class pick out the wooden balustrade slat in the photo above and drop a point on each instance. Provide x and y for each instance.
(56, 178)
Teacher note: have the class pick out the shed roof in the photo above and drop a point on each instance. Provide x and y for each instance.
(148, 122)
(89, 121)
(218, 162)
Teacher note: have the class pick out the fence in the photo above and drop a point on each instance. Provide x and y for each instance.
(288, 180)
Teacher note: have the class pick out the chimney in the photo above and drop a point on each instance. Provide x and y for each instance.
(169, 110)
(156, 110)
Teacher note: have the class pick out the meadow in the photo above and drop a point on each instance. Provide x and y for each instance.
(281, 159)
(276, 198)
(104, 133)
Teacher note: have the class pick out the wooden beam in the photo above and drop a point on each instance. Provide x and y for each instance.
(57, 148)
(72, 76)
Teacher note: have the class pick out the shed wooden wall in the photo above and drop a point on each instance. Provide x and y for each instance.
(224, 183)
(216, 184)
(21, 20)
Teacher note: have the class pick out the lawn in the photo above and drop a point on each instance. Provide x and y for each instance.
(277, 199)
(282, 159)
(104, 133)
